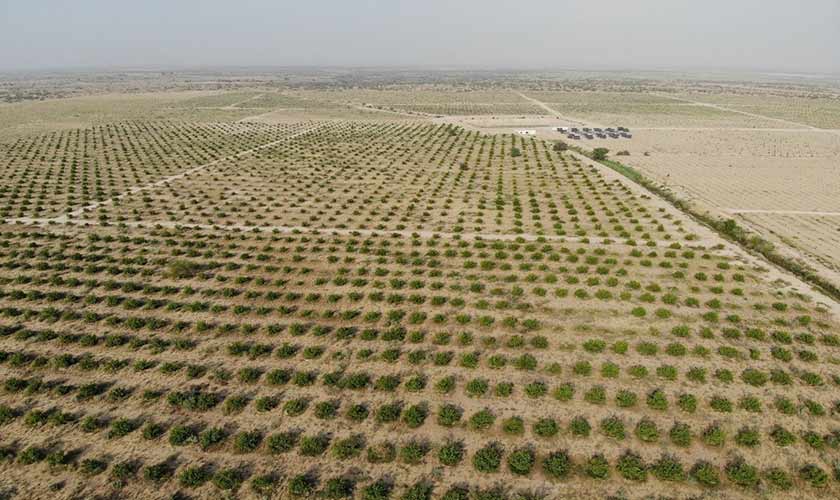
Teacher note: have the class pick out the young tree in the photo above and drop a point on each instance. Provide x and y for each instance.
(600, 153)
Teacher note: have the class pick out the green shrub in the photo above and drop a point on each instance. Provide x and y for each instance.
(121, 427)
(264, 485)
(750, 404)
(705, 474)
(451, 453)
(193, 477)
(418, 491)
(211, 437)
(580, 427)
(449, 415)
(153, 430)
(121, 473)
(721, 404)
(582, 368)
(503, 389)
(312, 446)
(657, 400)
(564, 392)
(389, 412)
(415, 415)
(557, 465)
(536, 389)
(488, 459)
(546, 428)
(380, 453)
(158, 473)
(513, 426)
(781, 436)
(609, 370)
(477, 387)
(667, 372)
(596, 395)
(680, 434)
(626, 399)
(613, 427)
(295, 407)
(339, 487)
(647, 431)
(92, 466)
(235, 404)
(814, 408)
(814, 475)
(714, 436)
(492, 493)
(754, 377)
(597, 467)
(742, 474)
(814, 440)
(631, 467)
(7, 414)
(246, 442)
(326, 410)
(301, 485)
(594, 345)
(697, 374)
(31, 455)
(348, 447)
(357, 412)
(456, 493)
(378, 490)
(778, 478)
(181, 435)
(521, 461)
(413, 452)
(482, 420)
(668, 468)
(747, 436)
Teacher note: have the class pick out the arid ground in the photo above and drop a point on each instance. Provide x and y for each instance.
(352, 286)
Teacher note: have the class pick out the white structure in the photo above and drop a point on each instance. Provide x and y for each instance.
(527, 132)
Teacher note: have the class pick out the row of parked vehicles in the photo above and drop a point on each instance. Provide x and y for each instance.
(595, 132)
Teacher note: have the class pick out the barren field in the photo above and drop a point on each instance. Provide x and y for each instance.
(298, 296)
(25, 119)
(437, 102)
(782, 182)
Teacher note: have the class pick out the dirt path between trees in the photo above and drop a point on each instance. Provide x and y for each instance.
(555, 112)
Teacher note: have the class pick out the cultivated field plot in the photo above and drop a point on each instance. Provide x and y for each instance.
(387, 310)
(402, 177)
(643, 110)
(52, 174)
(437, 102)
(221, 99)
(820, 112)
(245, 100)
(782, 182)
(27, 119)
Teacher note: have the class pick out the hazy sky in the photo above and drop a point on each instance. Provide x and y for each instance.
(785, 35)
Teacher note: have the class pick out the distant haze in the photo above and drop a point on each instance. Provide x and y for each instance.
(767, 35)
